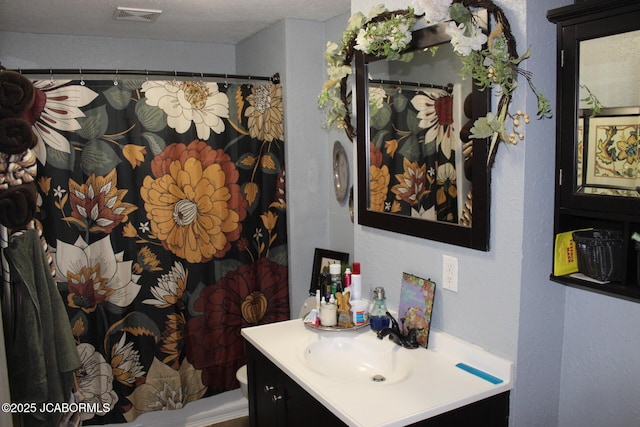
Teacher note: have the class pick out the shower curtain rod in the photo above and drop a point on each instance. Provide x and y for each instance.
(275, 79)
(448, 87)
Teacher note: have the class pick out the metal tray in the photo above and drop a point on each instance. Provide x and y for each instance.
(336, 328)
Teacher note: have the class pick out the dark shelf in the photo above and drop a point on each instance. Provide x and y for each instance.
(575, 206)
(613, 289)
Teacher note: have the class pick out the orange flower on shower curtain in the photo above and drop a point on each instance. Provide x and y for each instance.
(194, 203)
(98, 205)
(266, 113)
(413, 184)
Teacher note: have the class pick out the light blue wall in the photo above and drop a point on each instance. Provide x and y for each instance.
(33, 51)
(340, 225)
(600, 383)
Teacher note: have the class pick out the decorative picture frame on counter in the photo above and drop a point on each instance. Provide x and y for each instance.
(416, 305)
(321, 259)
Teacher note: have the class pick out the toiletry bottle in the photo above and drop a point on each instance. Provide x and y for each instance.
(346, 280)
(325, 285)
(329, 313)
(336, 281)
(378, 317)
(356, 282)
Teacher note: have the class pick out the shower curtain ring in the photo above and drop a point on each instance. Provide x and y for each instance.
(51, 75)
(81, 77)
(115, 81)
(146, 75)
(226, 83)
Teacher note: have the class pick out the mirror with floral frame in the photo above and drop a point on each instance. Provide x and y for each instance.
(393, 195)
(413, 176)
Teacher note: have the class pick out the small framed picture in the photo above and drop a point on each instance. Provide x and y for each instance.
(611, 154)
(321, 260)
(416, 305)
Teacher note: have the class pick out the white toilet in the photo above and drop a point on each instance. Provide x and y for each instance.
(241, 376)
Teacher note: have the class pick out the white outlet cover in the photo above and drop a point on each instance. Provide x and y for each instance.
(450, 273)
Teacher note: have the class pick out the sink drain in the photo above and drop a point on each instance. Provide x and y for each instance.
(378, 378)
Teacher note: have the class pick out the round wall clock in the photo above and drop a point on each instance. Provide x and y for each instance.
(340, 172)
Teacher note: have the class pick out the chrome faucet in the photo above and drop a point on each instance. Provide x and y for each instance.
(410, 340)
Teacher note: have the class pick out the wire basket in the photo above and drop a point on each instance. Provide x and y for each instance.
(599, 253)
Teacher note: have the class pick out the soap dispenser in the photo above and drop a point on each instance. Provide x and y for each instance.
(378, 318)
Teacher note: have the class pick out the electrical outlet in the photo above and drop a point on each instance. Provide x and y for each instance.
(450, 273)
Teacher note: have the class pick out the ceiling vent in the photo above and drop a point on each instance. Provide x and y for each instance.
(138, 15)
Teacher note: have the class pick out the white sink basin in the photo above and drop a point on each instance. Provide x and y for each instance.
(365, 360)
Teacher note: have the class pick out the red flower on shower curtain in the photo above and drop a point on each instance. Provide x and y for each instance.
(251, 295)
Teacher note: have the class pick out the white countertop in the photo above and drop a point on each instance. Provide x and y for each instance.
(434, 386)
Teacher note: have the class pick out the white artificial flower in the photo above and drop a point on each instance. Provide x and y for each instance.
(338, 72)
(331, 50)
(362, 41)
(375, 11)
(434, 10)
(377, 96)
(356, 21)
(463, 44)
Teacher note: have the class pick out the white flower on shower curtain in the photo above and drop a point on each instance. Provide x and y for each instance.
(56, 107)
(187, 102)
(426, 102)
(170, 287)
(95, 274)
(96, 381)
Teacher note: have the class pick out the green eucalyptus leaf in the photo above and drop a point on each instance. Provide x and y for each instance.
(380, 137)
(60, 159)
(152, 118)
(155, 142)
(279, 255)
(410, 148)
(429, 148)
(131, 84)
(460, 13)
(118, 97)
(400, 101)
(381, 118)
(413, 123)
(98, 157)
(94, 124)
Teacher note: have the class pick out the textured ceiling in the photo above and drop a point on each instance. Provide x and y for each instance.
(210, 21)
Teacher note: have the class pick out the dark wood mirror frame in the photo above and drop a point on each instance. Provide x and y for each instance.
(476, 236)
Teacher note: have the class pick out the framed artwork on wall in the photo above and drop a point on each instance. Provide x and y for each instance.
(612, 161)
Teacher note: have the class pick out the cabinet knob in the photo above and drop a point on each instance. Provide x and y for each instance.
(268, 388)
(276, 397)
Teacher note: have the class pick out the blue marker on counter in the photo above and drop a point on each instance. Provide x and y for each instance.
(478, 373)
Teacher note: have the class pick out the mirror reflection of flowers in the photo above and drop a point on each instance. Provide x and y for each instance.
(492, 61)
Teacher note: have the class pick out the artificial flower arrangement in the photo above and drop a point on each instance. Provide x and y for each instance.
(491, 61)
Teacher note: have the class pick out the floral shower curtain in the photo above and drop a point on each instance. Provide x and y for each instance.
(164, 206)
(412, 153)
